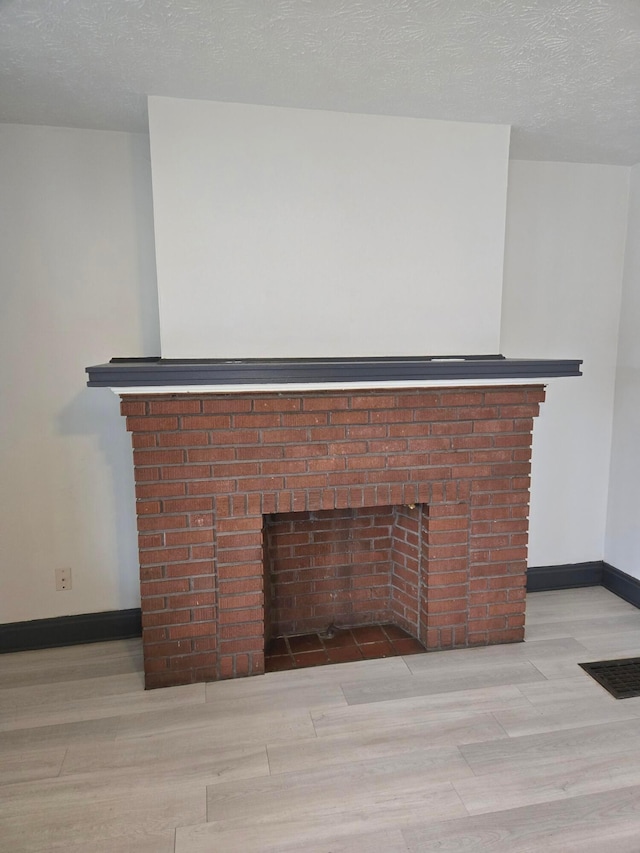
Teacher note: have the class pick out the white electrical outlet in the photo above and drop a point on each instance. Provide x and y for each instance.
(63, 579)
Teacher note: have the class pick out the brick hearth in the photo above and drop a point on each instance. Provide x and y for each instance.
(439, 477)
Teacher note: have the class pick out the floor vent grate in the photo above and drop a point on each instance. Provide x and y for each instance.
(620, 677)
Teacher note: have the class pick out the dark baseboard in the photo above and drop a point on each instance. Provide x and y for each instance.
(574, 575)
(568, 576)
(124, 624)
(622, 584)
(70, 630)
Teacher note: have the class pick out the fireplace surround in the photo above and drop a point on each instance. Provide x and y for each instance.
(425, 490)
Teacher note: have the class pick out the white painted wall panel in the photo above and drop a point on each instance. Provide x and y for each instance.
(78, 287)
(566, 226)
(623, 521)
(285, 232)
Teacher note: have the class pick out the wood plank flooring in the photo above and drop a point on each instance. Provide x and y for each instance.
(508, 749)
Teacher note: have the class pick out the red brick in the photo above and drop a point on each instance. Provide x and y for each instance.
(332, 433)
(150, 540)
(222, 455)
(525, 411)
(132, 407)
(203, 644)
(227, 403)
(200, 519)
(159, 490)
(239, 555)
(202, 552)
(192, 599)
(187, 505)
(183, 439)
(143, 439)
(510, 469)
(150, 604)
(205, 422)
(174, 407)
(261, 484)
(243, 631)
(151, 424)
(237, 617)
(493, 426)
(417, 400)
(462, 398)
(451, 429)
(203, 614)
(283, 436)
(240, 644)
(491, 486)
(348, 447)
(447, 592)
(155, 665)
(456, 605)
(536, 394)
(322, 403)
(167, 617)
(517, 439)
(162, 522)
(142, 475)
(158, 457)
(348, 417)
(365, 462)
(229, 525)
(330, 463)
(242, 586)
(186, 472)
(164, 555)
(147, 507)
(315, 476)
(395, 416)
(256, 421)
(248, 599)
(166, 587)
(151, 573)
(507, 397)
(188, 537)
(155, 635)
(473, 413)
(306, 451)
(312, 419)
(209, 486)
(194, 629)
(446, 619)
(168, 649)
(276, 404)
(240, 540)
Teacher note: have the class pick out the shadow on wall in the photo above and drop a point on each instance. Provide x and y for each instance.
(147, 291)
(105, 508)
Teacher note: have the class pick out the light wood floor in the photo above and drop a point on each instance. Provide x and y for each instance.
(509, 749)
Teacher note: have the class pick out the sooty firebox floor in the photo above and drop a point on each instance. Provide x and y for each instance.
(620, 677)
(345, 644)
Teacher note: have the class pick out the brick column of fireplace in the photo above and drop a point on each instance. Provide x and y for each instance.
(209, 468)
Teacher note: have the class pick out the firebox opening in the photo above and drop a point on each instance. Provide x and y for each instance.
(334, 574)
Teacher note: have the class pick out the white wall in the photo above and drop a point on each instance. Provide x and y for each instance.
(286, 232)
(78, 287)
(623, 521)
(77, 278)
(566, 227)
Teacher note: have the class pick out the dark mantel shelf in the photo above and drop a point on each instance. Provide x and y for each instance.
(146, 372)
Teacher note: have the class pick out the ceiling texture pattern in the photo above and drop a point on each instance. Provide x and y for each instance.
(564, 73)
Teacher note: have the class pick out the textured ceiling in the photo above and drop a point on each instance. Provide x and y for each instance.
(564, 73)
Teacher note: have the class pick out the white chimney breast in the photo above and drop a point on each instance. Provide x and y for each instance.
(301, 233)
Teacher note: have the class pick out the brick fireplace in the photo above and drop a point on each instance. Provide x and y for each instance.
(261, 513)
